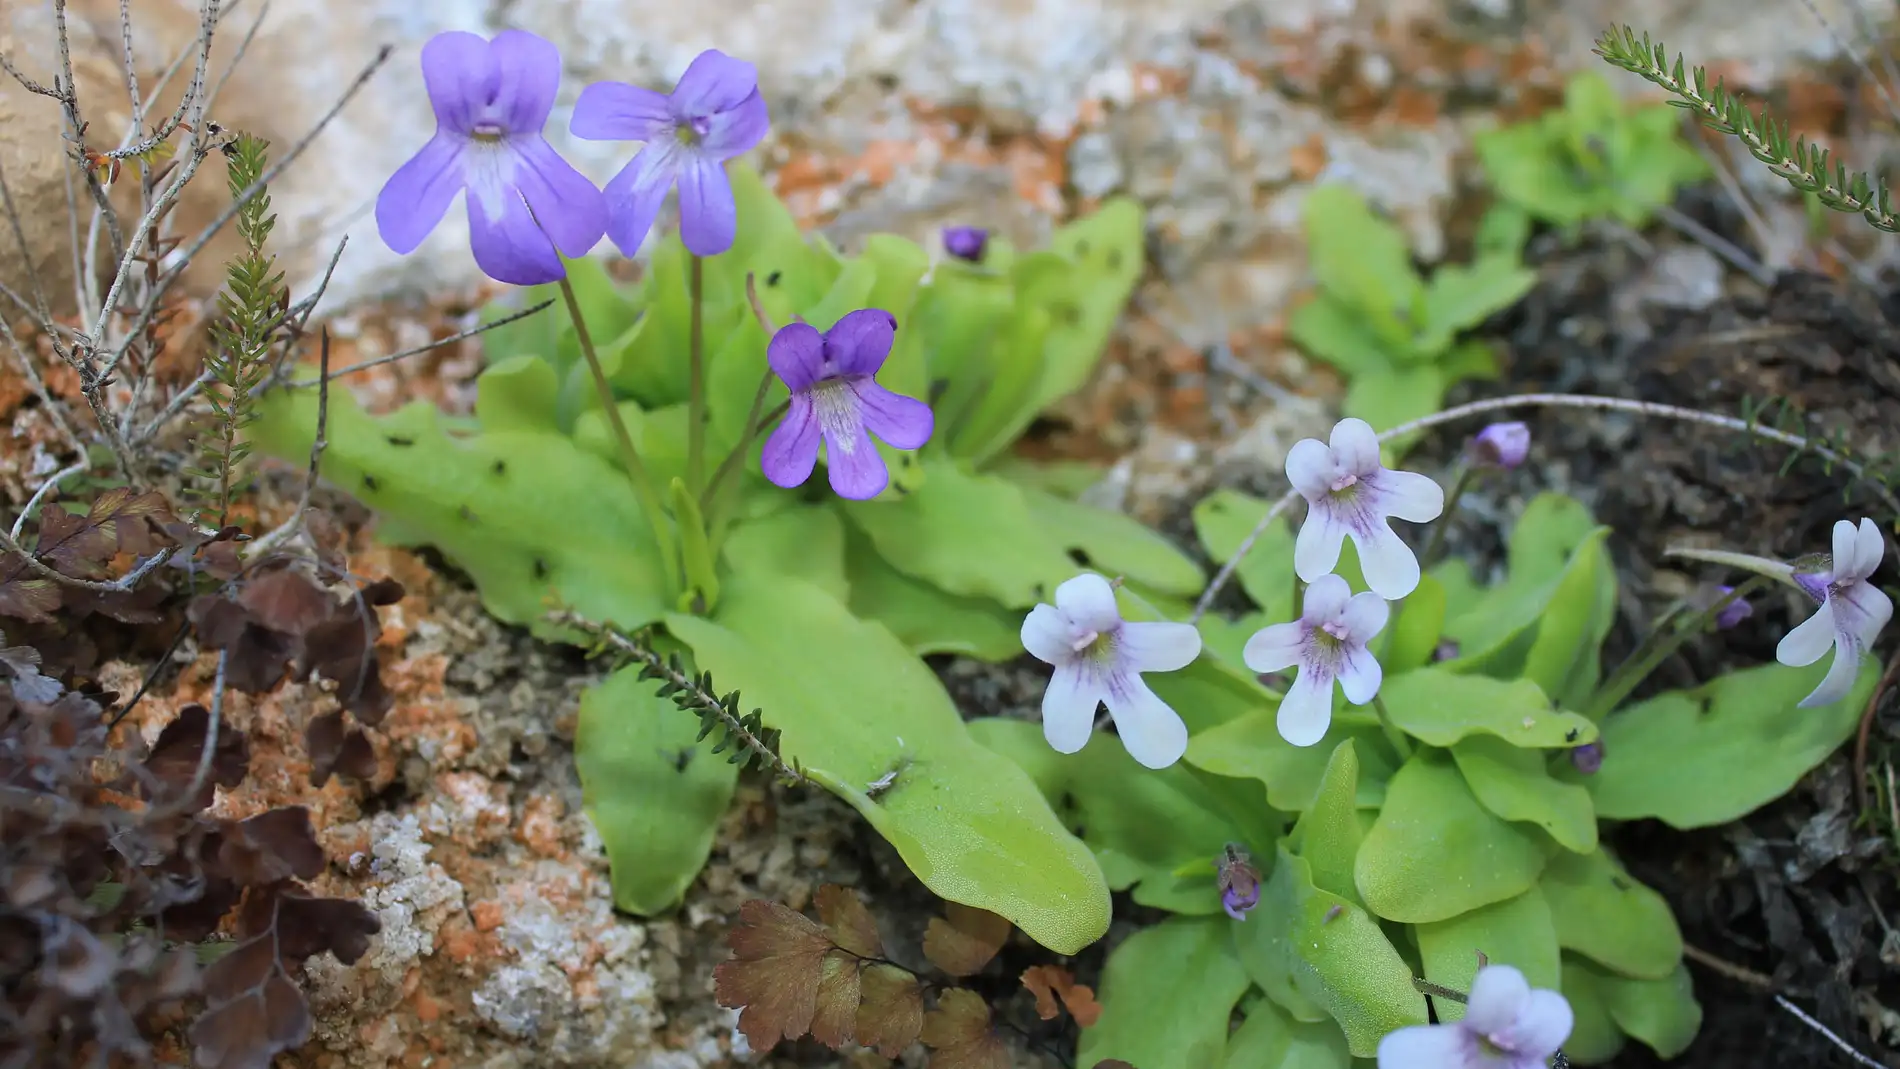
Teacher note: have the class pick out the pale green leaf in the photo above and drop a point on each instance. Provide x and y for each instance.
(1166, 993)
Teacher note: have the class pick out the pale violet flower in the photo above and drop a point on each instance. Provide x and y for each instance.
(1327, 643)
(1502, 445)
(1349, 493)
(1098, 659)
(1506, 1025)
(1852, 611)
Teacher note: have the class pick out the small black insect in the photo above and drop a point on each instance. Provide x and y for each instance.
(399, 441)
(500, 467)
(540, 568)
(772, 279)
(369, 482)
(1571, 735)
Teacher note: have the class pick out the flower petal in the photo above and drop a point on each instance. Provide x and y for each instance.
(735, 132)
(1861, 609)
(634, 196)
(1846, 549)
(1809, 641)
(1326, 598)
(1046, 635)
(1498, 995)
(1360, 674)
(1159, 647)
(416, 197)
(1426, 1046)
(902, 422)
(797, 356)
(527, 75)
(1839, 679)
(1869, 548)
(1316, 549)
(1307, 709)
(1154, 734)
(709, 217)
(1543, 1024)
(1366, 615)
(1386, 561)
(1274, 648)
(1311, 469)
(852, 462)
(569, 207)
(455, 71)
(616, 111)
(1089, 601)
(1408, 495)
(713, 82)
(791, 452)
(1355, 446)
(1068, 706)
(859, 343)
(511, 247)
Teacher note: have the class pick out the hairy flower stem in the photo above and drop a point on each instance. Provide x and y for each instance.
(1392, 733)
(1434, 545)
(709, 501)
(696, 389)
(629, 456)
(1657, 647)
(1555, 400)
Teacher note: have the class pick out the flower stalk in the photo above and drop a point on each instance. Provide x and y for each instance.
(1660, 643)
(629, 456)
(696, 388)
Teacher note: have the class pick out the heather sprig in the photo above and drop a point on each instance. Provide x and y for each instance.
(250, 309)
(1807, 167)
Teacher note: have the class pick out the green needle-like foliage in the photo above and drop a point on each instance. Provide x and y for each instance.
(253, 298)
(1807, 167)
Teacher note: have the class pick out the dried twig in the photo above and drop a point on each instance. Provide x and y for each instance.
(1738, 973)
(1866, 726)
(286, 530)
(110, 586)
(1828, 1033)
(19, 522)
(364, 365)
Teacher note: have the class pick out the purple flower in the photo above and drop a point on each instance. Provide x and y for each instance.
(1588, 758)
(1852, 611)
(1349, 492)
(1502, 445)
(491, 99)
(1098, 660)
(965, 242)
(714, 114)
(1327, 643)
(1446, 650)
(1506, 1026)
(1734, 612)
(1239, 882)
(835, 396)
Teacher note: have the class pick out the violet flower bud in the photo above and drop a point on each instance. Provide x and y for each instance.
(1446, 650)
(1239, 882)
(1734, 612)
(966, 242)
(1587, 758)
(1502, 445)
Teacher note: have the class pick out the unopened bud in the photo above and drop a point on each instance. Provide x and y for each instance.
(966, 242)
(1502, 445)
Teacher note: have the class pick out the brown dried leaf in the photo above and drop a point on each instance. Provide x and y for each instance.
(253, 1010)
(73, 544)
(335, 748)
(835, 1013)
(258, 656)
(285, 600)
(308, 926)
(965, 940)
(24, 595)
(270, 847)
(778, 958)
(959, 1033)
(343, 649)
(384, 591)
(1051, 982)
(175, 756)
(851, 925)
(891, 1012)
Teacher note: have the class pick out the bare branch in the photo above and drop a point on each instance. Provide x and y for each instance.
(289, 528)
(52, 481)
(111, 586)
(1842, 1044)
(437, 344)
(204, 236)
(193, 98)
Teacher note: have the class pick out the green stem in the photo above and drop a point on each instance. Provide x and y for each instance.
(629, 456)
(1655, 649)
(696, 397)
(1392, 733)
(712, 503)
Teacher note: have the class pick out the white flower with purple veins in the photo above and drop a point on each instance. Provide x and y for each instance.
(1852, 611)
(1506, 1025)
(1327, 643)
(1349, 493)
(1099, 658)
